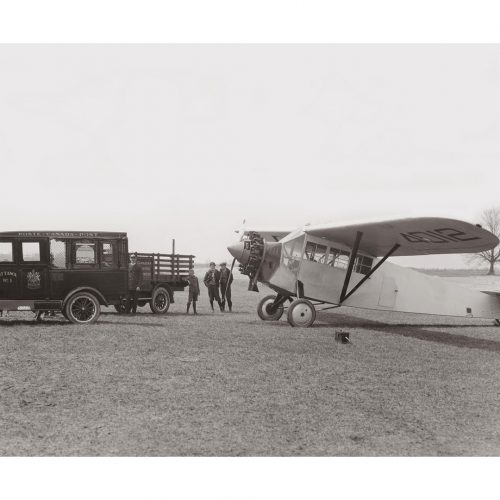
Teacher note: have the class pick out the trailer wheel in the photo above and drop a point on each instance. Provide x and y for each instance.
(301, 313)
(160, 302)
(263, 309)
(83, 308)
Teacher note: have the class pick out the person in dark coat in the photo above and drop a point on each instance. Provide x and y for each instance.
(226, 278)
(194, 291)
(211, 280)
(135, 277)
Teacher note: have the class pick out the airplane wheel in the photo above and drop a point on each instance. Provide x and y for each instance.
(264, 313)
(301, 313)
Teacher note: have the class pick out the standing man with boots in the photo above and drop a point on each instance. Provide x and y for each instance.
(226, 278)
(211, 280)
(134, 284)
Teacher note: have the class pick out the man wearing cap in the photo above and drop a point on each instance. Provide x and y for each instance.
(134, 284)
(226, 278)
(211, 280)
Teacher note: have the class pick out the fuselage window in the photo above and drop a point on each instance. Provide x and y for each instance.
(309, 251)
(31, 251)
(292, 253)
(363, 264)
(315, 252)
(58, 254)
(6, 253)
(338, 258)
(320, 254)
(342, 260)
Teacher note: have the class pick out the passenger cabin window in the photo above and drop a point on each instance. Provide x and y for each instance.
(338, 258)
(315, 252)
(31, 251)
(58, 258)
(6, 254)
(363, 264)
(85, 253)
(108, 253)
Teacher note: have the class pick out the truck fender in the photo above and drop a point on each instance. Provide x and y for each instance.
(89, 289)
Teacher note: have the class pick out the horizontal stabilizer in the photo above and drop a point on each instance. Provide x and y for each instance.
(495, 294)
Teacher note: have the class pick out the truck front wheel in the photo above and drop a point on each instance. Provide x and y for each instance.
(160, 302)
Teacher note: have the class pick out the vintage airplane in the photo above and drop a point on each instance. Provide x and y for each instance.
(347, 266)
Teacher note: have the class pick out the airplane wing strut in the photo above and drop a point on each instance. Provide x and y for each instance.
(345, 295)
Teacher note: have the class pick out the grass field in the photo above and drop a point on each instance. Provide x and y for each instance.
(230, 384)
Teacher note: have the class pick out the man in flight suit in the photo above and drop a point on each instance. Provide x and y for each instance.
(226, 278)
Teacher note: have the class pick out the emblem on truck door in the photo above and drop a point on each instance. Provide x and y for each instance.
(33, 280)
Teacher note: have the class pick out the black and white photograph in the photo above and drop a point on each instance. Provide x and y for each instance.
(276, 250)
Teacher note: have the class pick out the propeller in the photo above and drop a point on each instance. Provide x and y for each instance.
(241, 230)
(230, 274)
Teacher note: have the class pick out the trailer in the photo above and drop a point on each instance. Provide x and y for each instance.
(163, 274)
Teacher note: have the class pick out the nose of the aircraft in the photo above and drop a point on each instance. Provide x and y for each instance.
(237, 251)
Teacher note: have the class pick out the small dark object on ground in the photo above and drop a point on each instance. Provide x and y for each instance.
(343, 337)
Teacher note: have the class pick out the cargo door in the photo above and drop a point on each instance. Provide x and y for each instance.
(33, 265)
(388, 293)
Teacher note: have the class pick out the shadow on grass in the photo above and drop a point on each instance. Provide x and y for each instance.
(416, 331)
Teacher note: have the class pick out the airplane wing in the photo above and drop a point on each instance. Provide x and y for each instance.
(416, 236)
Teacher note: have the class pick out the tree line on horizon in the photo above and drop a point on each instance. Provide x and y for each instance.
(490, 220)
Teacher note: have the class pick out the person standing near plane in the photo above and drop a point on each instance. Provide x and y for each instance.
(134, 284)
(226, 278)
(194, 291)
(212, 280)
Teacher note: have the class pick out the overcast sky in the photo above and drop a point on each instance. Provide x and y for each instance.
(185, 142)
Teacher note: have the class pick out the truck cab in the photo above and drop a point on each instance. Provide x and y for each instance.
(67, 271)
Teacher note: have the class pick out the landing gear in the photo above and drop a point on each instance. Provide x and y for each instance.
(301, 313)
(270, 308)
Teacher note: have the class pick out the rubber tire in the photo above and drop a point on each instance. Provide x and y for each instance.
(120, 308)
(307, 306)
(80, 295)
(156, 292)
(263, 314)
